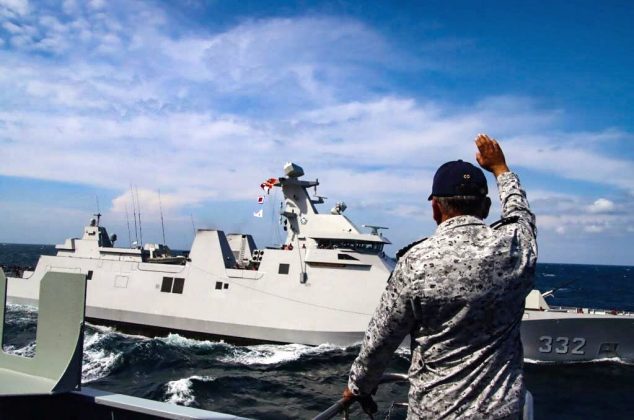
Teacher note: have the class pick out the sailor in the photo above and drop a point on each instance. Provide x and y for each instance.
(460, 296)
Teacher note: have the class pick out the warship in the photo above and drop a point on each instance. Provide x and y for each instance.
(321, 286)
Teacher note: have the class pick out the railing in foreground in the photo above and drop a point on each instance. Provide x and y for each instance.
(340, 406)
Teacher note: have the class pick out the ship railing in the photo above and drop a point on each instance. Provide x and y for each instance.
(342, 406)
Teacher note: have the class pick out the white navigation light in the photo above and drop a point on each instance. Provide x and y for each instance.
(293, 170)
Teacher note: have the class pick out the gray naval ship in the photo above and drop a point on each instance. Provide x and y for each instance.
(321, 285)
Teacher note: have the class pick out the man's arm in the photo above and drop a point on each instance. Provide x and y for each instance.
(512, 196)
(390, 324)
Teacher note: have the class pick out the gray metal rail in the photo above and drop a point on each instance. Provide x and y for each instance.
(340, 405)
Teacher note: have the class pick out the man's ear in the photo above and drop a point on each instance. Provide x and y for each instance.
(436, 210)
(486, 207)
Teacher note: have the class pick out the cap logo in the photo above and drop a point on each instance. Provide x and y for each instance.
(466, 176)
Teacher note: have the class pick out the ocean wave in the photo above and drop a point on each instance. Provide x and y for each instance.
(97, 361)
(26, 351)
(177, 340)
(101, 328)
(21, 307)
(105, 329)
(181, 391)
(271, 354)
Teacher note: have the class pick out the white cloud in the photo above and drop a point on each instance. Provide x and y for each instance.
(601, 205)
(14, 7)
(12, 28)
(594, 228)
(564, 158)
(150, 202)
(97, 4)
(574, 224)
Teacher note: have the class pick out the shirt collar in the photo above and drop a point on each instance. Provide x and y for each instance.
(458, 221)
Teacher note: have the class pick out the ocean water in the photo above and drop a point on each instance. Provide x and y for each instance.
(295, 381)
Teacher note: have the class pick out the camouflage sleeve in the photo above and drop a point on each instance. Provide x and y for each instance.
(390, 324)
(515, 203)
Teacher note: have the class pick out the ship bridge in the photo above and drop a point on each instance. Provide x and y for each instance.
(308, 228)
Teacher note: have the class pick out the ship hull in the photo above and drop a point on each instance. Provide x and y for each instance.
(160, 325)
(547, 336)
(574, 337)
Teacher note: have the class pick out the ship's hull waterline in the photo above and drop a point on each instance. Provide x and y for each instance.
(160, 325)
(562, 338)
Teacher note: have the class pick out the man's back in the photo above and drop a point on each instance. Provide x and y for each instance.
(460, 295)
(468, 283)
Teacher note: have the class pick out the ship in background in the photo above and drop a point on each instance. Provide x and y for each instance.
(321, 286)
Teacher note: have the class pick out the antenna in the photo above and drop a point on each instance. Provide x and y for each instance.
(375, 229)
(161, 208)
(193, 226)
(98, 214)
(136, 236)
(127, 218)
(138, 203)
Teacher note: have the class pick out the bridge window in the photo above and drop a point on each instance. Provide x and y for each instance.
(360, 246)
(346, 257)
(284, 268)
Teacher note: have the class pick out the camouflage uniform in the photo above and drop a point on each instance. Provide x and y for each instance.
(460, 295)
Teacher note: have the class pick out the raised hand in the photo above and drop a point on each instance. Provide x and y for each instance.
(490, 155)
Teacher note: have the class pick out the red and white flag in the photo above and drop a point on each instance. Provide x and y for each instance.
(268, 184)
(261, 199)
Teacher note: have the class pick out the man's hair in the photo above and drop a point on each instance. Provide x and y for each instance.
(464, 205)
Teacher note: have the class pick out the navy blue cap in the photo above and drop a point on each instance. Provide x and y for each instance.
(459, 178)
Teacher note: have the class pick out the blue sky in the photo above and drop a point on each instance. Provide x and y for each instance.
(204, 100)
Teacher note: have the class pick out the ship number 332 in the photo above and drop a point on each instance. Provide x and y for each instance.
(561, 345)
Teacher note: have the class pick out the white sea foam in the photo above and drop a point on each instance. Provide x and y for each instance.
(268, 354)
(181, 392)
(104, 329)
(101, 328)
(180, 341)
(21, 307)
(26, 351)
(549, 275)
(97, 362)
